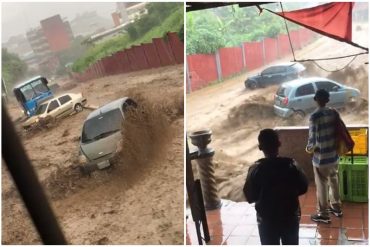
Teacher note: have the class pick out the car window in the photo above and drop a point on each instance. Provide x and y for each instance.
(271, 70)
(283, 91)
(327, 85)
(41, 109)
(305, 90)
(102, 126)
(53, 105)
(64, 99)
(280, 69)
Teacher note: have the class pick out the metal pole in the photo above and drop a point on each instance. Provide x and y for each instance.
(244, 60)
(218, 65)
(188, 77)
(28, 185)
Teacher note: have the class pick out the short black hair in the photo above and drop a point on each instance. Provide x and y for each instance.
(268, 139)
(322, 95)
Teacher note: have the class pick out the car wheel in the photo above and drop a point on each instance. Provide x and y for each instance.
(78, 107)
(252, 85)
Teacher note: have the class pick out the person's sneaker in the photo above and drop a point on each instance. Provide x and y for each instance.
(336, 212)
(320, 218)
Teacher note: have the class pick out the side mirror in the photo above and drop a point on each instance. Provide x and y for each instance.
(335, 88)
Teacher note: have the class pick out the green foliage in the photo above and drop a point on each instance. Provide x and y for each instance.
(161, 19)
(13, 68)
(173, 23)
(204, 33)
(209, 30)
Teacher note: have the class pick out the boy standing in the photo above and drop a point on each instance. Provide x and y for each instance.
(274, 184)
(322, 144)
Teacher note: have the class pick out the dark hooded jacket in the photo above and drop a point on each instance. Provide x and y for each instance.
(274, 184)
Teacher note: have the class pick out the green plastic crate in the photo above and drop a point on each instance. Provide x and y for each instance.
(353, 178)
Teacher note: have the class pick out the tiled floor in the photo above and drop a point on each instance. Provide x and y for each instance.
(235, 223)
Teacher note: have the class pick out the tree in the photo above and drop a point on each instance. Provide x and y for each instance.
(13, 68)
(211, 29)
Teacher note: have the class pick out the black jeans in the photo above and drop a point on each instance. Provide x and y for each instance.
(272, 232)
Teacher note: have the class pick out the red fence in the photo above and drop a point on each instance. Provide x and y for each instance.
(161, 52)
(253, 55)
(232, 60)
(204, 68)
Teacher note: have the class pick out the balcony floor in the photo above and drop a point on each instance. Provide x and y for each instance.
(235, 224)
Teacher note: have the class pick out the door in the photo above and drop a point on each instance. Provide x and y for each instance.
(337, 93)
(303, 99)
(53, 109)
(66, 105)
(273, 75)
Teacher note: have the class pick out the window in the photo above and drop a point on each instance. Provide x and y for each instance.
(102, 126)
(271, 70)
(53, 105)
(280, 69)
(283, 91)
(305, 90)
(41, 109)
(39, 87)
(327, 85)
(64, 99)
(27, 92)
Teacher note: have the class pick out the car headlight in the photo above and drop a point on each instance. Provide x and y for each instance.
(82, 159)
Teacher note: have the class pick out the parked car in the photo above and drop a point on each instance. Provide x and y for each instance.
(275, 75)
(57, 107)
(296, 97)
(101, 134)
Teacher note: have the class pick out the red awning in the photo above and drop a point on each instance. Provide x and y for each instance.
(331, 19)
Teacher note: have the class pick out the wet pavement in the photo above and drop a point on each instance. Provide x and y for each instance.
(235, 224)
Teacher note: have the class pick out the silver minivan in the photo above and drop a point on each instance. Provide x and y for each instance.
(296, 97)
(101, 133)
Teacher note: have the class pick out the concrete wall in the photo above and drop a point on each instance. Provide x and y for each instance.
(293, 144)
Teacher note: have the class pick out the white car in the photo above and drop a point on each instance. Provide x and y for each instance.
(101, 134)
(57, 107)
(297, 97)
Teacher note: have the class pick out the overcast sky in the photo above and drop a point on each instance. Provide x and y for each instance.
(17, 18)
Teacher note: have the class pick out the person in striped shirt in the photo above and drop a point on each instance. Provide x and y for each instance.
(322, 144)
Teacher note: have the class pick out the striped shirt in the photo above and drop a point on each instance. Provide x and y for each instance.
(321, 138)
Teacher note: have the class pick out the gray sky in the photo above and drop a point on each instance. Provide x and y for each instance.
(17, 18)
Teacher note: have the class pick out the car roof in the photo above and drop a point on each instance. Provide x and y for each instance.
(301, 81)
(108, 107)
(55, 97)
(285, 64)
(28, 81)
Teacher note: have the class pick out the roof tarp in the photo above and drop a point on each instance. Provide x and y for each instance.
(331, 19)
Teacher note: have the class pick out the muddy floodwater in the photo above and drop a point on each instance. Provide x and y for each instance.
(139, 200)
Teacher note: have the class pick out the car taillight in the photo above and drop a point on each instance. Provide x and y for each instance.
(285, 101)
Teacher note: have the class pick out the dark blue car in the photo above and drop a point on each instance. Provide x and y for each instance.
(275, 75)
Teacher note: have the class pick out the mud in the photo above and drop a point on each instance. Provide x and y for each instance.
(137, 201)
